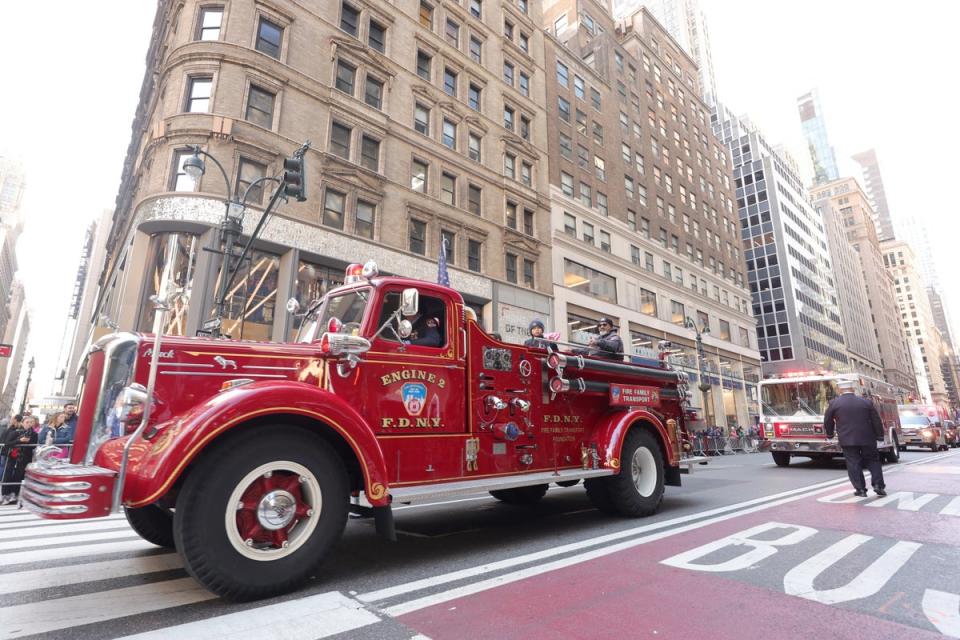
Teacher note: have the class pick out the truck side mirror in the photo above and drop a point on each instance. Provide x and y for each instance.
(410, 302)
(293, 306)
(405, 329)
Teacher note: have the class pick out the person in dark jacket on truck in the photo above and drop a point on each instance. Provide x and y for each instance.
(607, 344)
(857, 424)
(537, 339)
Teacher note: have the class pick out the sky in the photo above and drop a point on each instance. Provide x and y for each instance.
(883, 70)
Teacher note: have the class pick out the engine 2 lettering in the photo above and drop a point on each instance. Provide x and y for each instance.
(412, 374)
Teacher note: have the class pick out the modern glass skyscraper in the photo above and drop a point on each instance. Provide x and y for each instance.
(873, 185)
(815, 132)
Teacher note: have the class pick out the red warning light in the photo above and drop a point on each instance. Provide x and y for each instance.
(6, 350)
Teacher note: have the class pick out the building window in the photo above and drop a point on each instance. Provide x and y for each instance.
(452, 33)
(524, 84)
(473, 255)
(377, 36)
(208, 26)
(182, 271)
(703, 320)
(473, 147)
(421, 119)
(528, 222)
(450, 82)
(526, 173)
(602, 203)
(524, 43)
(635, 254)
(648, 261)
(677, 313)
(595, 98)
(511, 215)
(724, 330)
(566, 184)
(198, 98)
(648, 302)
(563, 105)
(418, 237)
(511, 267)
(588, 233)
(566, 146)
(560, 25)
(346, 77)
(366, 216)
(598, 133)
(340, 140)
(418, 176)
(448, 188)
(373, 94)
(449, 238)
(426, 15)
(473, 97)
(182, 181)
(563, 74)
(589, 281)
(569, 225)
(449, 134)
(476, 8)
(667, 270)
(508, 30)
(474, 199)
(508, 73)
(349, 19)
(510, 166)
(248, 173)
(586, 195)
(260, 107)
(424, 61)
(744, 337)
(333, 208)
(476, 50)
(600, 168)
(604, 241)
(632, 219)
(370, 153)
(522, 5)
(269, 37)
(528, 274)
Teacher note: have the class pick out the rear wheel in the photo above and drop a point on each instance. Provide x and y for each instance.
(256, 517)
(782, 459)
(521, 495)
(152, 523)
(893, 455)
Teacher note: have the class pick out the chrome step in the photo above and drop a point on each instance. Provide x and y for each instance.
(427, 492)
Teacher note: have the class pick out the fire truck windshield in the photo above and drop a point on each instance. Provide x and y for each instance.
(347, 307)
(789, 398)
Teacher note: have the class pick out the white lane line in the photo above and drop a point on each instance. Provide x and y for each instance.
(63, 613)
(417, 585)
(36, 543)
(35, 521)
(390, 592)
(522, 574)
(74, 527)
(90, 572)
(318, 616)
(72, 552)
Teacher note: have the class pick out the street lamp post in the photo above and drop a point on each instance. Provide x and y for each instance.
(26, 391)
(701, 359)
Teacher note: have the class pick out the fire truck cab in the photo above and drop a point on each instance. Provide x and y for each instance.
(252, 454)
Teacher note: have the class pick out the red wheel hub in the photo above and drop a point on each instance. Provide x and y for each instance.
(258, 496)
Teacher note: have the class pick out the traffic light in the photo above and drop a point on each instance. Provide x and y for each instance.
(294, 181)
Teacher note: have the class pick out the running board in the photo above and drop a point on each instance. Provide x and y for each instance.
(427, 492)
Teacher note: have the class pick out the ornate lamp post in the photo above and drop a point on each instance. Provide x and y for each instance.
(26, 391)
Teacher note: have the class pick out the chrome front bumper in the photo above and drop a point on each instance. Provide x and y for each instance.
(801, 446)
(66, 491)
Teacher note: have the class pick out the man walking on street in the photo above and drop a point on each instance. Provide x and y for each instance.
(858, 427)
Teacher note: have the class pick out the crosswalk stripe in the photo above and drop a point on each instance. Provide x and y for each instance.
(72, 552)
(34, 521)
(318, 616)
(63, 613)
(39, 542)
(90, 572)
(73, 527)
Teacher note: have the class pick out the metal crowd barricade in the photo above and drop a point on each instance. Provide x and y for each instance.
(7, 463)
(707, 445)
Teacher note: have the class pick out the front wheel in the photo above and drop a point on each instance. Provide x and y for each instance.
(638, 489)
(152, 523)
(782, 459)
(893, 455)
(256, 517)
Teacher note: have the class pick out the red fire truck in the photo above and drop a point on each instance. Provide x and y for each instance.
(248, 456)
(792, 408)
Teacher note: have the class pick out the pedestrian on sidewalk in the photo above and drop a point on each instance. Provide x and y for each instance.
(21, 443)
(857, 424)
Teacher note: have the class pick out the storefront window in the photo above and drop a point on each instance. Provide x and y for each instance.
(181, 273)
(644, 344)
(589, 281)
(581, 328)
(251, 300)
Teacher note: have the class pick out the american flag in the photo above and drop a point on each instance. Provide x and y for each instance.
(442, 276)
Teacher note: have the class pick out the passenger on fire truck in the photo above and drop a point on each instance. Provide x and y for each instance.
(607, 344)
(426, 324)
(537, 338)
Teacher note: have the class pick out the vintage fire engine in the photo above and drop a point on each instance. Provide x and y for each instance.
(248, 456)
(792, 408)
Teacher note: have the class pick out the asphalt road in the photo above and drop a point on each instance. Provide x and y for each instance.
(743, 549)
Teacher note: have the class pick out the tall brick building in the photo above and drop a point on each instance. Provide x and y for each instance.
(426, 121)
(644, 224)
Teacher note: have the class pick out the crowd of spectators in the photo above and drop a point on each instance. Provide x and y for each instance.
(19, 438)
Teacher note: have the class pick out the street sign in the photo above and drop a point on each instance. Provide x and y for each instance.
(6, 350)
